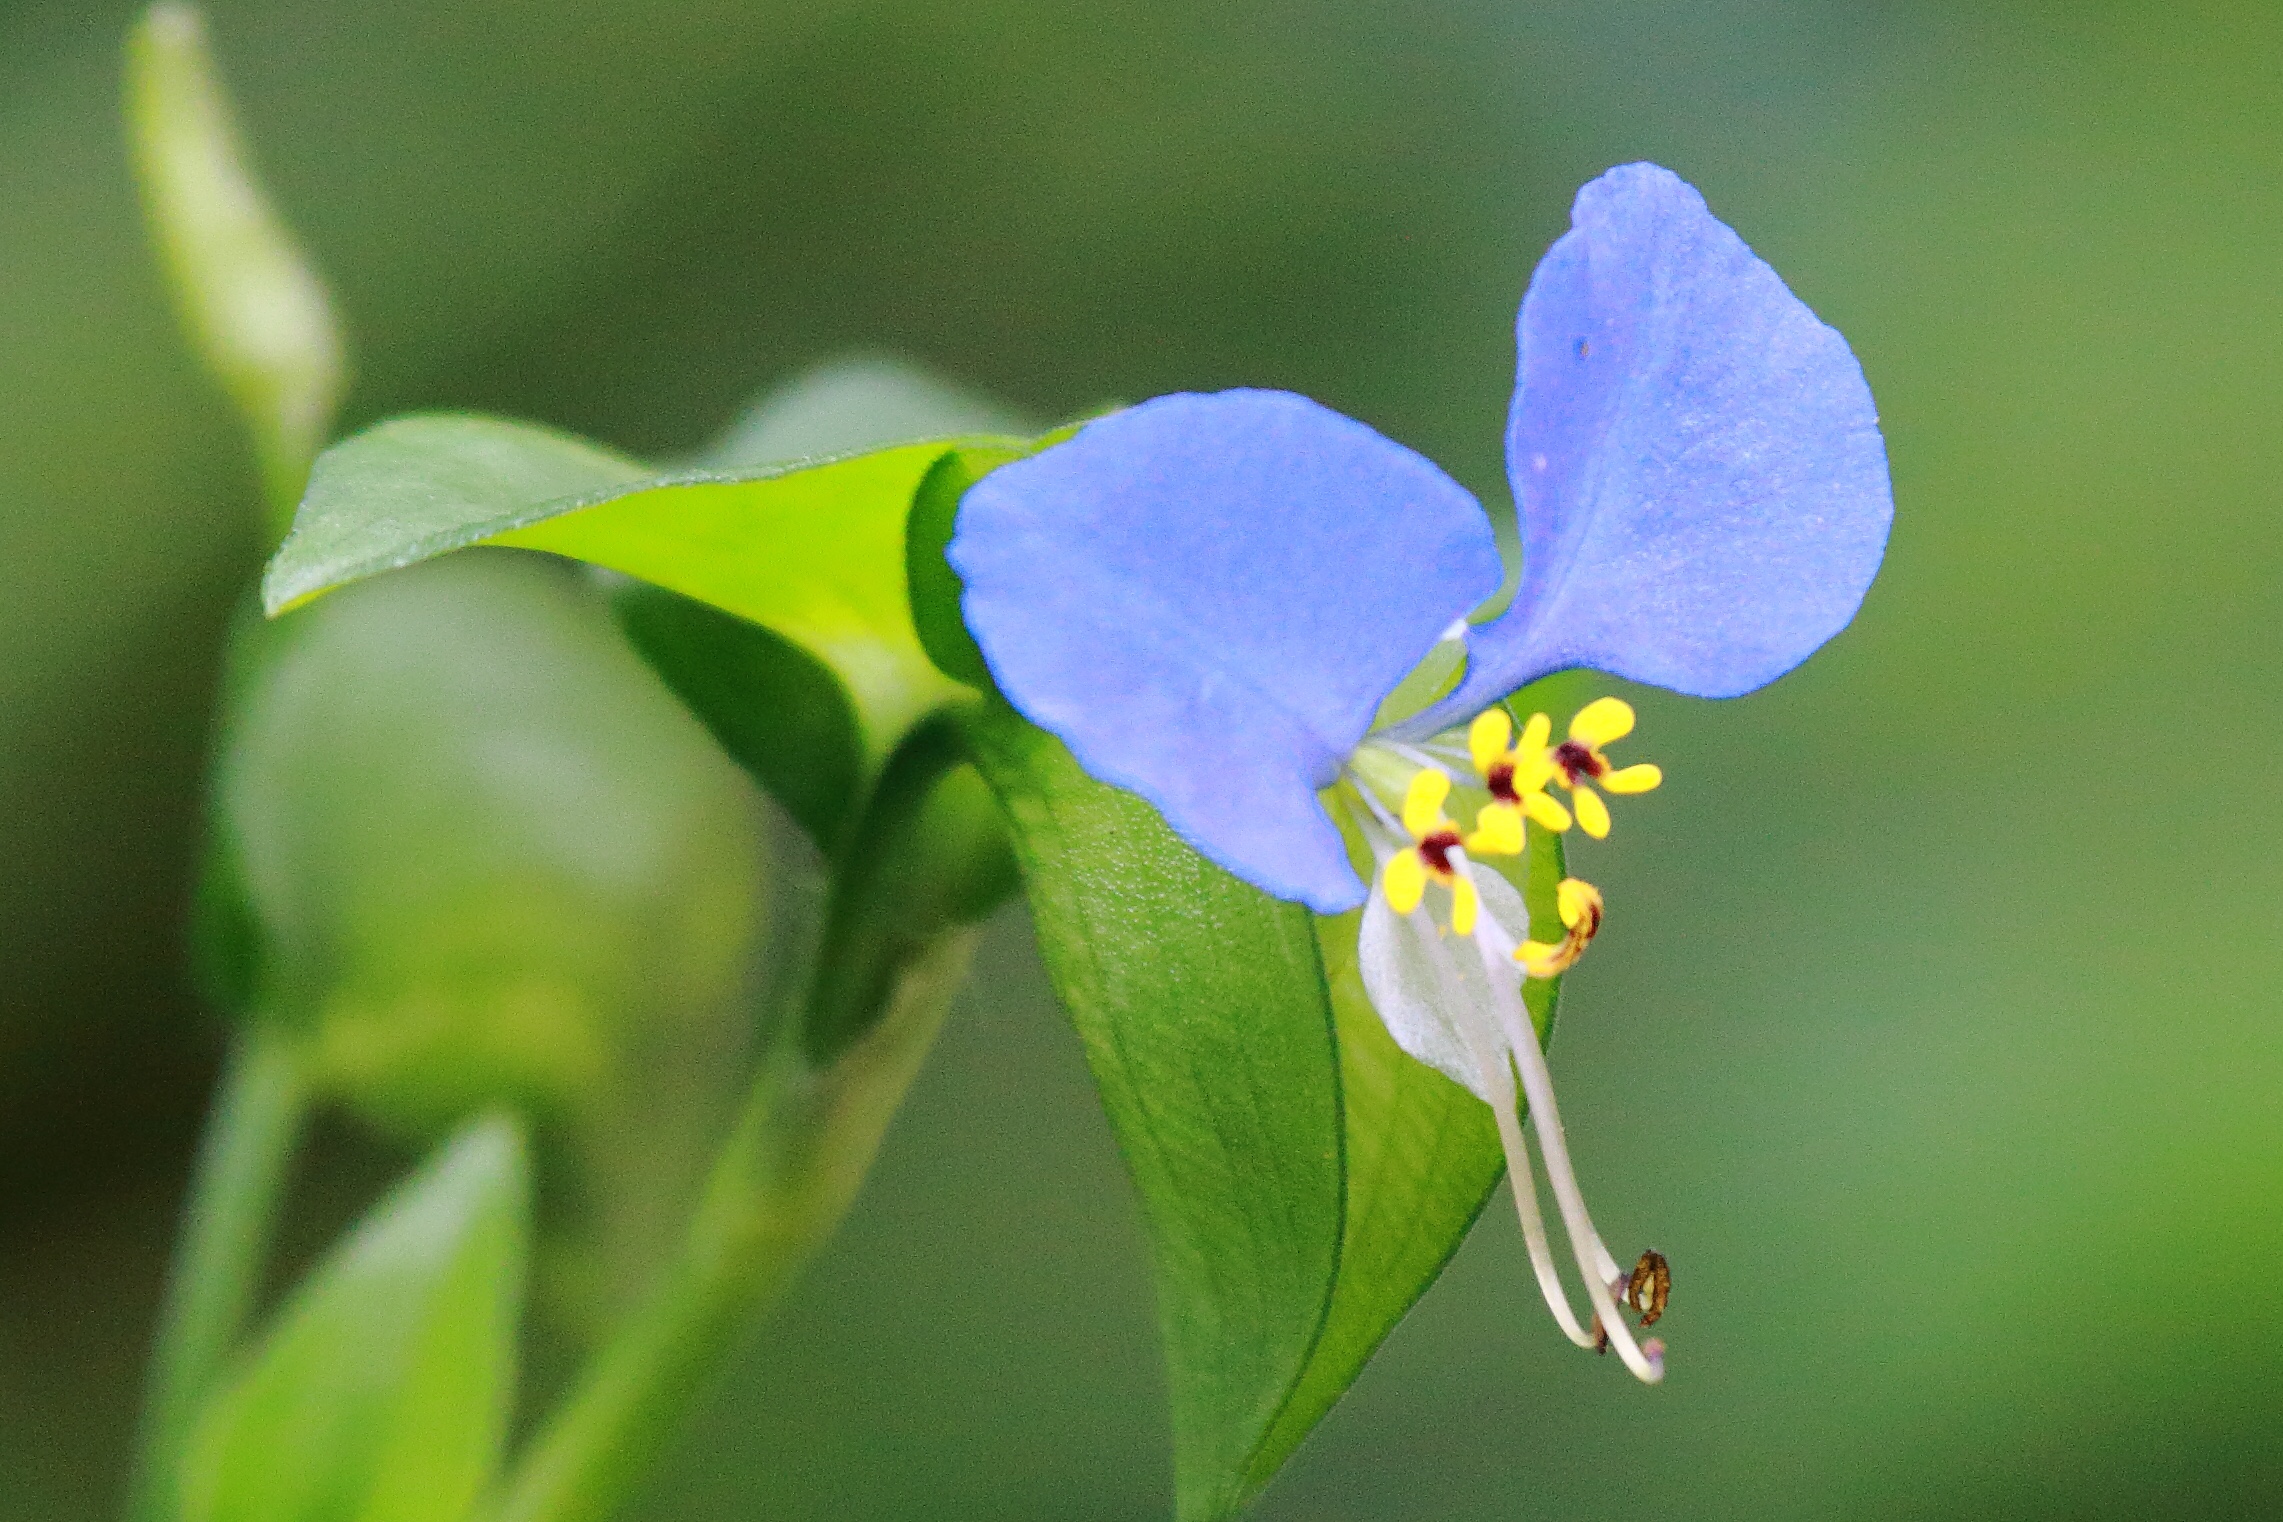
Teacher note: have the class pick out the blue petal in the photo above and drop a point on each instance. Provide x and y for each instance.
(1207, 598)
(1695, 457)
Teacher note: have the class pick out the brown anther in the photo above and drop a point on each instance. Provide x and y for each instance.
(1649, 1285)
(1436, 849)
(1600, 1334)
(1577, 761)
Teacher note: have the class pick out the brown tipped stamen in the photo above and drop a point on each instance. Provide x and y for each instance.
(1648, 1287)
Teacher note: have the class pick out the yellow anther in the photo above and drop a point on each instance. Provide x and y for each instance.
(1577, 763)
(1601, 721)
(1429, 857)
(1405, 880)
(1516, 776)
(1581, 909)
(1423, 801)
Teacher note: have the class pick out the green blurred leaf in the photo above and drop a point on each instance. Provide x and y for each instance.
(813, 551)
(382, 1391)
(1203, 1007)
(253, 304)
(852, 404)
(468, 854)
(488, 860)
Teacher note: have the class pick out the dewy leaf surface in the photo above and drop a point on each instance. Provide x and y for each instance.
(381, 1393)
(1202, 1005)
(813, 550)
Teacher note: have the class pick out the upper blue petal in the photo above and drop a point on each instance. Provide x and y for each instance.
(1208, 597)
(1695, 459)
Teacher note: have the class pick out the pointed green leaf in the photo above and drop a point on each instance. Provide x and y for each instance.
(382, 1391)
(813, 551)
(253, 304)
(1203, 1008)
(1423, 1159)
(1117, 902)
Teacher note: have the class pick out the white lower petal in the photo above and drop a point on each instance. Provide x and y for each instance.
(1423, 981)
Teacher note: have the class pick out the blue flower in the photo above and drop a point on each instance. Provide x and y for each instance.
(1210, 597)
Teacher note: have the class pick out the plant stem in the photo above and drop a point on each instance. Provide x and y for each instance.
(779, 1187)
(227, 1225)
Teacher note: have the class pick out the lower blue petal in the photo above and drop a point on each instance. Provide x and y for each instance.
(1695, 458)
(1207, 597)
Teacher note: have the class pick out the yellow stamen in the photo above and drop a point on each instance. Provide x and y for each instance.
(1592, 813)
(1581, 909)
(1575, 899)
(1405, 879)
(1517, 779)
(1601, 721)
(1634, 779)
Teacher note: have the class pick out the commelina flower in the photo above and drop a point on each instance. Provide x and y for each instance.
(1209, 598)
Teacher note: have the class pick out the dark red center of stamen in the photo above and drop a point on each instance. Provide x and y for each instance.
(1500, 780)
(1577, 760)
(1437, 849)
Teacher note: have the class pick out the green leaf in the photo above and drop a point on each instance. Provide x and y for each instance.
(931, 858)
(813, 551)
(1423, 1159)
(253, 304)
(382, 1391)
(774, 707)
(1203, 1008)
(777, 710)
(1187, 986)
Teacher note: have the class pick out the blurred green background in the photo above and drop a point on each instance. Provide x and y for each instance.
(1934, 1036)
